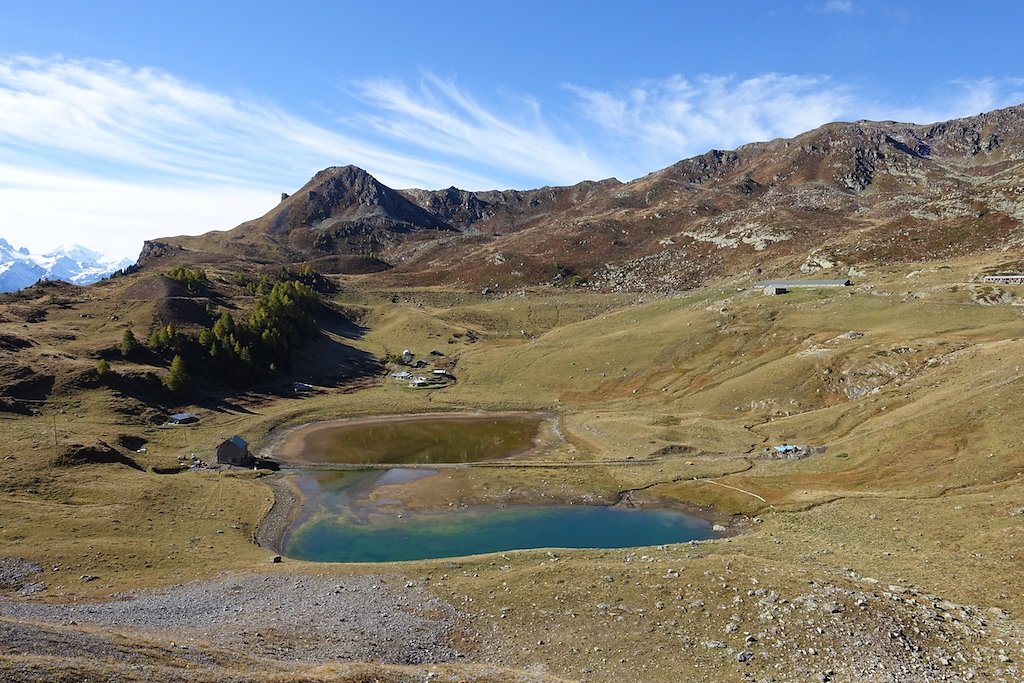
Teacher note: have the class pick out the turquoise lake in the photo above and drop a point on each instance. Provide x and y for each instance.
(341, 523)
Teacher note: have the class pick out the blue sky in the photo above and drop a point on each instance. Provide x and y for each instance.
(121, 121)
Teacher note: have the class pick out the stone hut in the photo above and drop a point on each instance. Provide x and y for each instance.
(235, 451)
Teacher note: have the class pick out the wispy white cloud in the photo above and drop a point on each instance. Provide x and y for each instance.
(837, 6)
(81, 139)
(961, 97)
(41, 209)
(109, 154)
(655, 123)
(439, 116)
(678, 117)
(146, 120)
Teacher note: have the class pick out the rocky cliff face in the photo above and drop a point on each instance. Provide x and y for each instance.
(841, 194)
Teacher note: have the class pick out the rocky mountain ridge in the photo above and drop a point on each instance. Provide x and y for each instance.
(843, 194)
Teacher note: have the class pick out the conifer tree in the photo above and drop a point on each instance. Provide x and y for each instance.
(128, 342)
(178, 378)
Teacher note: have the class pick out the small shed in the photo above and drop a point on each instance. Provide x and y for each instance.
(182, 419)
(774, 290)
(235, 451)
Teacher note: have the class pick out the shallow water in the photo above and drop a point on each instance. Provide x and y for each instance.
(343, 522)
(421, 440)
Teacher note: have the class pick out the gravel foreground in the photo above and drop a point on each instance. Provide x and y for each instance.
(284, 626)
(307, 619)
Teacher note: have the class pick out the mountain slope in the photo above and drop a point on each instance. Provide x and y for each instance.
(834, 197)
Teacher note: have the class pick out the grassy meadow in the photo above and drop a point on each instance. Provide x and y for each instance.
(669, 399)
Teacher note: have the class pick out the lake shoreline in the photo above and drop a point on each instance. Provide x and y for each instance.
(289, 502)
(285, 511)
(290, 499)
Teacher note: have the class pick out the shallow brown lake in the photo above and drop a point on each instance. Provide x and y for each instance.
(414, 439)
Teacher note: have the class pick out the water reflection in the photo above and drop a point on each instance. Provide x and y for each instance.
(347, 518)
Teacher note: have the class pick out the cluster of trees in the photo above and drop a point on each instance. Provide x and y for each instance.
(194, 279)
(261, 344)
(239, 351)
(307, 276)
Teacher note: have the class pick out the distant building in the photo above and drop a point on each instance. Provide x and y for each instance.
(774, 290)
(1005, 279)
(182, 419)
(798, 284)
(235, 451)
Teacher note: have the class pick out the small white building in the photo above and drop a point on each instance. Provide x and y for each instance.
(801, 284)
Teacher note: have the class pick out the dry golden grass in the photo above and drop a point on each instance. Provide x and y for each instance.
(918, 482)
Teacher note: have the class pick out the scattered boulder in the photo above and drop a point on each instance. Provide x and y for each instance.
(31, 589)
(15, 572)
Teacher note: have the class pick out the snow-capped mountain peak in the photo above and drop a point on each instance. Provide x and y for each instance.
(72, 263)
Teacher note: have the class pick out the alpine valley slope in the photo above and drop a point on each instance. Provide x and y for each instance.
(891, 552)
